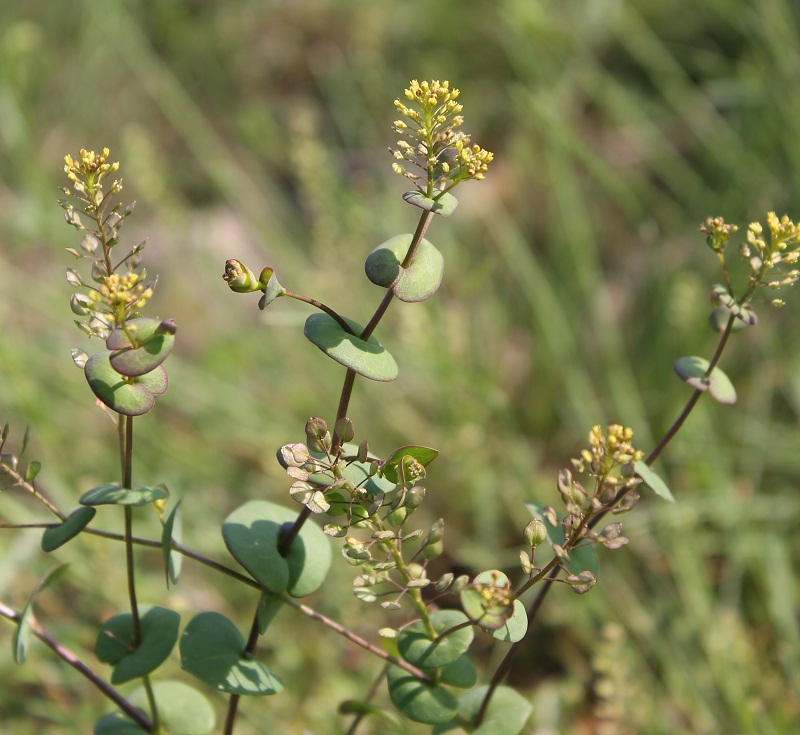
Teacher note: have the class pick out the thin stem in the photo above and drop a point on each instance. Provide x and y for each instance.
(126, 447)
(505, 664)
(354, 638)
(19, 481)
(249, 649)
(373, 690)
(151, 701)
(288, 538)
(65, 654)
(322, 307)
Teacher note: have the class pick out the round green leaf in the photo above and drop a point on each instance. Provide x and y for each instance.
(461, 673)
(142, 346)
(419, 650)
(52, 538)
(423, 455)
(251, 534)
(507, 713)
(112, 494)
(182, 709)
(743, 312)
(444, 205)
(418, 700)
(718, 319)
(211, 650)
(366, 357)
(128, 398)
(692, 370)
(515, 627)
(114, 644)
(117, 723)
(417, 282)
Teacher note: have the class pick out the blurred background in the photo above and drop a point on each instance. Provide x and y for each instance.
(575, 276)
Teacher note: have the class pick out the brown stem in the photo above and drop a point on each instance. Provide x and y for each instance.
(249, 649)
(70, 658)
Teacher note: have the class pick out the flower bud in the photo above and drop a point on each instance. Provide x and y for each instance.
(535, 533)
(239, 278)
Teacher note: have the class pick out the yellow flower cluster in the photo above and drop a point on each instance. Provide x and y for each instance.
(439, 155)
(126, 292)
(766, 256)
(90, 168)
(607, 451)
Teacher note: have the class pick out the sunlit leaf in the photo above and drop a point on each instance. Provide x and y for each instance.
(252, 534)
(366, 357)
(114, 644)
(212, 650)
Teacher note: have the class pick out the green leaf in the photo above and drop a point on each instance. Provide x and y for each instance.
(251, 534)
(419, 650)
(692, 370)
(52, 538)
(112, 494)
(488, 617)
(652, 480)
(419, 281)
(272, 290)
(173, 561)
(141, 347)
(745, 316)
(718, 319)
(114, 644)
(461, 673)
(22, 634)
(418, 700)
(515, 627)
(580, 560)
(269, 606)
(212, 650)
(444, 205)
(366, 357)
(507, 714)
(354, 707)
(32, 470)
(182, 709)
(117, 723)
(423, 455)
(128, 398)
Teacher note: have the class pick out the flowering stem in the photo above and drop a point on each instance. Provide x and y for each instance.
(350, 376)
(505, 664)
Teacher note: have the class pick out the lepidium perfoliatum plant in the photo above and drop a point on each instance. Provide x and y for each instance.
(341, 493)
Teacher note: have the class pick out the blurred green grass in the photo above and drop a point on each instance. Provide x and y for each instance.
(575, 276)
